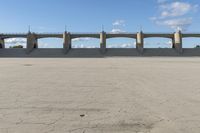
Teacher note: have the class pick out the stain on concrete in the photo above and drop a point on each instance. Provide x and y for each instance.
(28, 65)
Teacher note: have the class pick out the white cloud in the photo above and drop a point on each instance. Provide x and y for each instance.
(23, 42)
(81, 39)
(124, 45)
(174, 14)
(15, 40)
(117, 30)
(165, 44)
(160, 44)
(118, 26)
(86, 40)
(84, 46)
(177, 24)
(176, 9)
(44, 45)
(119, 23)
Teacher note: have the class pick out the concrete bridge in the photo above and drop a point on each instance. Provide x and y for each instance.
(32, 38)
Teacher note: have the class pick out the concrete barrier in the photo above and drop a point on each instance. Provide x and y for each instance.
(93, 53)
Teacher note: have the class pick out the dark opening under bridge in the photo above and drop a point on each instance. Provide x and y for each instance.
(32, 40)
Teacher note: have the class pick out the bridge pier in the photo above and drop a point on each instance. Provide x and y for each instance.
(67, 45)
(32, 42)
(140, 42)
(103, 41)
(2, 43)
(177, 43)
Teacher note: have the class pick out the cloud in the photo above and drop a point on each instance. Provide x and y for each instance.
(84, 46)
(117, 30)
(82, 39)
(44, 45)
(163, 44)
(119, 23)
(124, 45)
(15, 40)
(176, 9)
(86, 40)
(177, 24)
(175, 14)
(118, 26)
(23, 42)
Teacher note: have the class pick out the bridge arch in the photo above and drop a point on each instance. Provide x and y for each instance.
(191, 42)
(158, 42)
(49, 42)
(15, 42)
(121, 42)
(85, 42)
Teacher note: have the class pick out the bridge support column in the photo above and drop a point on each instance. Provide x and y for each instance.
(177, 43)
(66, 42)
(32, 42)
(140, 42)
(103, 41)
(2, 43)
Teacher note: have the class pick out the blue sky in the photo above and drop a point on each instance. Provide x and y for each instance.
(90, 15)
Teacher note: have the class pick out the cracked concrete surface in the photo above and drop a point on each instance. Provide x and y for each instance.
(100, 95)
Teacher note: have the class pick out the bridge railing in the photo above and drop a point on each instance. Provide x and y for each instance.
(121, 32)
(170, 32)
(53, 33)
(48, 33)
(13, 33)
(158, 32)
(190, 32)
(85, 32)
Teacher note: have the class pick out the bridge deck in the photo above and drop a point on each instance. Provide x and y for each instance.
(96, 35)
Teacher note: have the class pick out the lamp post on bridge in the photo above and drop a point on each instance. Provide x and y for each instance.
(65, 28)
(102, 28)
(29, 29)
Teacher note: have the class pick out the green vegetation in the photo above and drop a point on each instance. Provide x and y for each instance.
(197, 46)
(16, 46)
